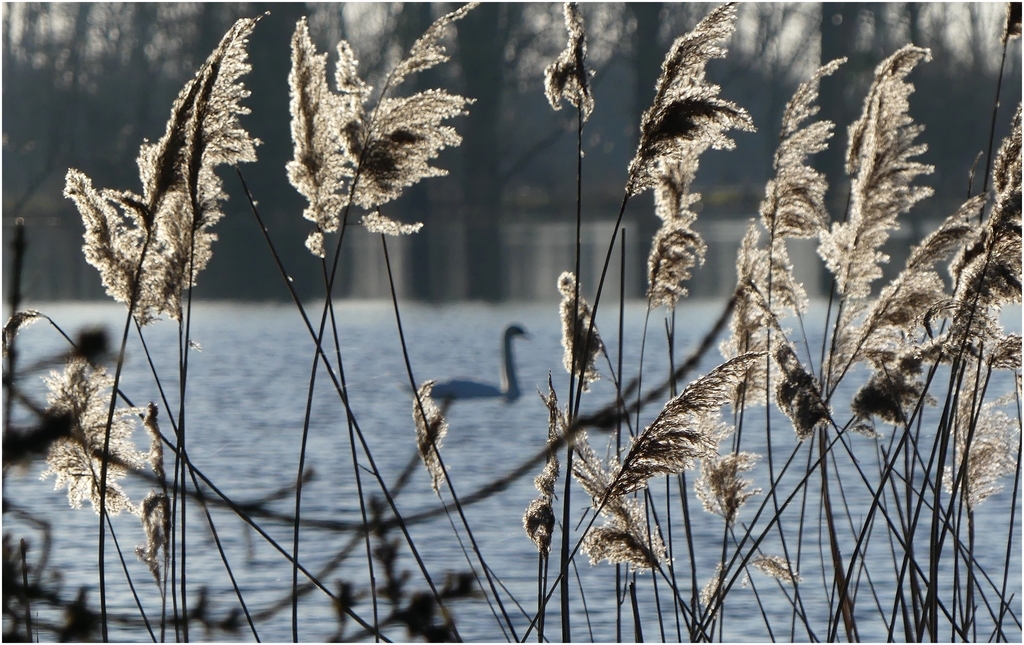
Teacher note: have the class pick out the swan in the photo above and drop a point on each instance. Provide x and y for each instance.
(509, 390)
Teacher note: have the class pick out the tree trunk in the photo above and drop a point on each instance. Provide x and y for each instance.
(481, 47)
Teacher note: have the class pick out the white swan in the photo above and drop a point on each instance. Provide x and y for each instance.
(509, 390)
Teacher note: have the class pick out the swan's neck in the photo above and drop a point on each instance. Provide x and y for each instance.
(509, 383)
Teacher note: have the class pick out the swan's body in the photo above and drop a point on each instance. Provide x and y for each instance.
(509, 389)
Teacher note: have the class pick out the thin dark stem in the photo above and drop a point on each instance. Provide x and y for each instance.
(580, 357)
(106, 432)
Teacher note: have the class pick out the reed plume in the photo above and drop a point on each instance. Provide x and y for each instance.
(585, 359)
(539, 519)
(987, 441)
(879, 163)
(154, 512)
(568, 78)
(624, 536)
(681, 433)
(776, 567)
(720, 488)
(793, 207)
(82, 393)
(886, 337)
(798, 394)
(431, 427)
(710, 590)
(988, 272)
(687, 116)
(18, 321)
(1011, 28)
(345, 153)
(181, 192)
(676, 248)
(685, 119)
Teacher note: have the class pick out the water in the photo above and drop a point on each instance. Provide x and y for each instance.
(245, 405)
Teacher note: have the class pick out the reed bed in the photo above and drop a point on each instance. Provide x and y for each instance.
(888, 402)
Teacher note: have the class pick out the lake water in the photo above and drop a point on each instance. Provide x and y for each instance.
(245, 405)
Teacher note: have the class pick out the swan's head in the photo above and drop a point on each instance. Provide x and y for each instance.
(515, 330)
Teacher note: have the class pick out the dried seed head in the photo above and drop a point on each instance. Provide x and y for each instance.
(579, 357)
(721, 489)
(794, 204)
(15, 323)
(567, 77)
(431, 427)
(156, 445)
(82, 393)
(624, 538)
(879, 163)
(776, 567)
(893, 391)
(539, 522)
(181, 192)
(710, 590)
(155, 522)
(321, 167)
(798, 394)
(681, 433)
(987, 448)
(377, 223)
(687, 117)
(545, 481)
(344, 152)
(1006, 353)
(677, 247)
(1011, 28)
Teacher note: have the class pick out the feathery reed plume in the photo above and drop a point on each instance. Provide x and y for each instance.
(320, 167)
(707, 594)
(1011, 28)
(1006, 353)
(687, 117)
(794, 203)
(751, 316)
(584, 362)
(539, 520)
(343, 152)
(155, 523)
(624, 538)
(156, 445)
(988, 453)
(893, 389)
(82, 393)
(794, 206)
(885, 338)
(545, 481)
(590, 472)
(181, 192)
(567, 78)
(676, 248)
(18, 321)
(879, 163)
(988, 273)
(426, 52)
(776, 567)
(797, 393)
(376, 223)
(681, 434)
(719, 487)
(995, 273)
(429, 432)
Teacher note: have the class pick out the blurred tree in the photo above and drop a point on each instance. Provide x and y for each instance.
(481, 40)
